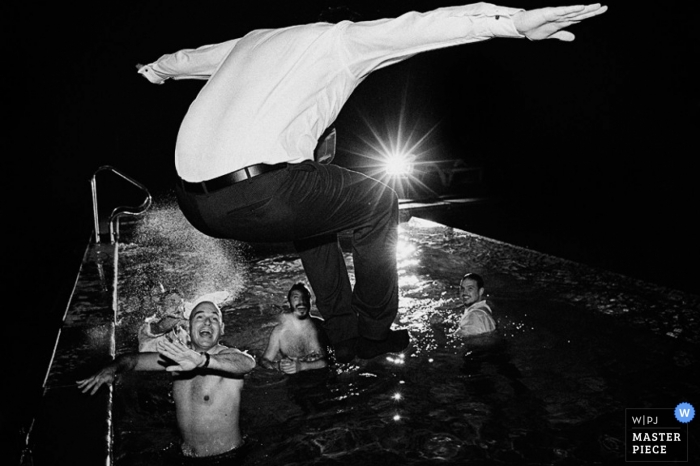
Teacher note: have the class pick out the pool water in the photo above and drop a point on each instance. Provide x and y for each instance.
(576, 347)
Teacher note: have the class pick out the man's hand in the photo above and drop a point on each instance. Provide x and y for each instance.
(92, 384)
(185, 359)
(547, 23)
(290, 366)
(267, 364)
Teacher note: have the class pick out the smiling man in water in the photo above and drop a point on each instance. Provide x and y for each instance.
(207, 382)
(295, 343)
(477, 318)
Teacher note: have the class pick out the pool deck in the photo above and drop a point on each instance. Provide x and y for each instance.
(72, 428)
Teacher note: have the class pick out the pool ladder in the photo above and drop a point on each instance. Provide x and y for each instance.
(118, 211)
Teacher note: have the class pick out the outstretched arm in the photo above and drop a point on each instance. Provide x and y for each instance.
(232, 361)
(548, 23)
(123, 363)
(166, 324)
(197, 63)
(229, 360)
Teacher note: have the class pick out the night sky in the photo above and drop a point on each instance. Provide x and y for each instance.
(596, 138)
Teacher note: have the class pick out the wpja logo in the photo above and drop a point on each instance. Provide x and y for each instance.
(658, 434)
(684, 412)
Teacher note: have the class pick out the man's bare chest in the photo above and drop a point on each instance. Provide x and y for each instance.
(297, 345)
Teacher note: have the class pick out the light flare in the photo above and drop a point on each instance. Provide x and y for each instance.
(394, 153)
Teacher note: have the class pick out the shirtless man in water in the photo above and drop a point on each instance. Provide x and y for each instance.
(207, 382)
(295, 343)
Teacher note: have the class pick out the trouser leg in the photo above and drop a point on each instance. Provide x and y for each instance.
(310, 204)
(370, 210)
(375, 297)
(325, 268)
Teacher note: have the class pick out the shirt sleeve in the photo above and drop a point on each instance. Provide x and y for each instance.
(372, 45)
(199, 63)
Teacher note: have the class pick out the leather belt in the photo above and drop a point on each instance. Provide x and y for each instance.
(215, 184)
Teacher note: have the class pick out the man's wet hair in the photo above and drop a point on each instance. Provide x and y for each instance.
(473, 276)
(301, 287)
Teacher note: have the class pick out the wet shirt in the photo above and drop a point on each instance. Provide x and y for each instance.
(270, 94)
(476, 320)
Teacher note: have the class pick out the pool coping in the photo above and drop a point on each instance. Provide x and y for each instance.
(72, 427)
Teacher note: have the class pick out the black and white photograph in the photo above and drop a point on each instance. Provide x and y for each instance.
(415, 232)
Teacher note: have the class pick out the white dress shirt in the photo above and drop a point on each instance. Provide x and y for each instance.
(476, 320)
(271, 93)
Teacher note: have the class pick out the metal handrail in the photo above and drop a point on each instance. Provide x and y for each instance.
(118, 211)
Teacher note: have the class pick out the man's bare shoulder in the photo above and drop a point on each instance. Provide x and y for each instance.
(284, 319)
(280, 327)
(287, 322)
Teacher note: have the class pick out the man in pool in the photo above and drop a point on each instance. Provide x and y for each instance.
(169, 322)
(295, 342)
(477, 318)
(207, 382)
(245, 150)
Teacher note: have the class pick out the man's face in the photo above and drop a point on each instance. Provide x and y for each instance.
(206, 326)
(299, 303)
(470, 292)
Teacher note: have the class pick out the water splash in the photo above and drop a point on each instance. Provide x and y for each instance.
(164, 253)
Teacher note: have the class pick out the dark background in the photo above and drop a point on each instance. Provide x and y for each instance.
(591, 144)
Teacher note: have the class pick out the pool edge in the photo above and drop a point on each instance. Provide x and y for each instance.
(71, 427)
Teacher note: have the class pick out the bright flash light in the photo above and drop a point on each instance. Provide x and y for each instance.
(397, 396)
(397, 417)
(399, 164)
(395, 153)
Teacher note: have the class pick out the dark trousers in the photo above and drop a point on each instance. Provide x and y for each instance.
(309, 204)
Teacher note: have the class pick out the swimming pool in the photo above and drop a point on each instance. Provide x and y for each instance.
(579, 346)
